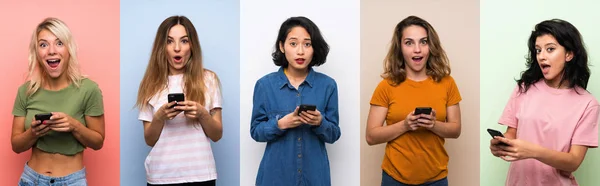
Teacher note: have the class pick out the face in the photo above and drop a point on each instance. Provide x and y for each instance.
(415, 48)
(53, 54)
(297, 48)
(178, 49)
(551, 57)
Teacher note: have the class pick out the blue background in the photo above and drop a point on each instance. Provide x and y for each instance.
(217, 23)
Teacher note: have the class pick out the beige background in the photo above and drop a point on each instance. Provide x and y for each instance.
(457, 23)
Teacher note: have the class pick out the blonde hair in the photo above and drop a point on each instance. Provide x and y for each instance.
(437, 66)
(37, 75)
(157, 73)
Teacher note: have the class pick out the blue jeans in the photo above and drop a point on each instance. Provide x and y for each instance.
(387, 180)
(32, 178)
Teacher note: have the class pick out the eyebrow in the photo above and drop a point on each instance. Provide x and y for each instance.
(551, 43)
(47, 41)
(181, 37)
(306, 39)
(410, 39)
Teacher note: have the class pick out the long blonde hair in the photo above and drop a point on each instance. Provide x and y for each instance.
(37, 75)
(437, 64)
(157, 73)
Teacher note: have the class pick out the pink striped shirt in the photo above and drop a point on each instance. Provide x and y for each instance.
(182, 152)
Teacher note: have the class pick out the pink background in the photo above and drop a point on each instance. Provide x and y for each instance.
(95, 27)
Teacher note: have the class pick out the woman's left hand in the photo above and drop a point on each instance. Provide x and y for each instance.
(427, 120)
(517, 149)
(311, 117)
(61, 122)
(192, 109)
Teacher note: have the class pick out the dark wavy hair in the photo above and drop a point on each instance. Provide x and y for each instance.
(320, 47)
(576, 72)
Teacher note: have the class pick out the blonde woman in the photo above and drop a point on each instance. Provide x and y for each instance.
(179, 132)
(416, 74)
(72, 104)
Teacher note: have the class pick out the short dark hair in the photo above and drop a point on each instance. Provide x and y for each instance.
(320, 47)
(576, 71)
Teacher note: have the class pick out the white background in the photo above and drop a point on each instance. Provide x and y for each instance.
(339, 23)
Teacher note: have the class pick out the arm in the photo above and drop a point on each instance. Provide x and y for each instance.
(566, 161)
(377, 133)
(22, 140)
(93, 135)
(212, 125)
(449, 129)
(152, 129)
(328, 130)
(262, 128)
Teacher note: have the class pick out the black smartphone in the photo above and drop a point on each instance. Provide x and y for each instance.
(422, 110)
(495, 133)
(43, 117)
(306, 107)
(178, 97)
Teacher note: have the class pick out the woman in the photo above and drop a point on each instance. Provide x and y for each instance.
(551, 119)
(56, 87)
(295, 152)
(416, 74)
(178, 132)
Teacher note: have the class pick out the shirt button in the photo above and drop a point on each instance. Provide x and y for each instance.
(299, 155)
(299, 170)
(299, 139)
(298, 95)
(52, 181)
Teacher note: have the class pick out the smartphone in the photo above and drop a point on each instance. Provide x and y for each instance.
(43, 117)
(495, 133)
(422, 110)
(306, 107)
(178, 97)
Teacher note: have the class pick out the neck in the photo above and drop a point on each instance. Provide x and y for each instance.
(175, 72)
(416, 76)
(296, 74)
(56, 83)
(555, 83)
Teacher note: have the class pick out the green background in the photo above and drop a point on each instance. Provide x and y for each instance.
(505, 29)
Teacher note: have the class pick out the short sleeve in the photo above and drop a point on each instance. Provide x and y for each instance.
(586, 131)
(146, 113)
(20, 105)
(94, 104)
(381, 95)
(214, 91)
(509, 115)
(453, 93)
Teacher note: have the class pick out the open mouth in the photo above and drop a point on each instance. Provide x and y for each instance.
(417, 58)
(177, 59)
(300, 61)
(545, 68)
(53, 63)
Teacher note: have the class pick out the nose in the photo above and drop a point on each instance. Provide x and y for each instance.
(541, 56)
(51, 50)
(177, 47)
(300, 51)
(417, 48)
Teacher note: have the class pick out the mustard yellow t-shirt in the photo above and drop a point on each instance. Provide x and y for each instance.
(416, 157)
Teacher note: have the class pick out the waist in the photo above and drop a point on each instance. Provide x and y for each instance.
(54, 164)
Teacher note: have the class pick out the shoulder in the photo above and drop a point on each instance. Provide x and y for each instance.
(88, 85)
(267, 78)
(324, 79)
(23, 87)
(447, 80)
(210, 76)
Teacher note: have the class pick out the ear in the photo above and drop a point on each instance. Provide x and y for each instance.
(281, 47)
(569, 56)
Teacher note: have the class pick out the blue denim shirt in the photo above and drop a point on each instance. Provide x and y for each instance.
(295, 156)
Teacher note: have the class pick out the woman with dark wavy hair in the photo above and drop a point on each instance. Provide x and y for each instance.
(416, 74)
(552, 120)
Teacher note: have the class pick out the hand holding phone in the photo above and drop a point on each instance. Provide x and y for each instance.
(306, 107)
(495, 133)
(43, 117)
(422, 110)
(177, 97)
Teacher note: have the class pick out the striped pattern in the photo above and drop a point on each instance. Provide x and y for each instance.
(183, 152)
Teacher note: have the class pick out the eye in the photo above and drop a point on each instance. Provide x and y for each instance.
(60, 43)
(307, 44)
(537, 51)
(408, 43)
(43, 45)
(184, 41)
(293, 44)
(550, 49)
(169, 41)
(424, 42)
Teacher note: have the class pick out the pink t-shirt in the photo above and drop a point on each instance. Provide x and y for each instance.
(182, 152)
(554, 119)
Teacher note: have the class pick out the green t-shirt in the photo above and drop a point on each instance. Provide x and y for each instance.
(76, 102)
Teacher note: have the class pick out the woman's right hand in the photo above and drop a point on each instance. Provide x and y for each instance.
(411, 122)
(291, 120)
(495, 147)
(166, 112)
(38, 129)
